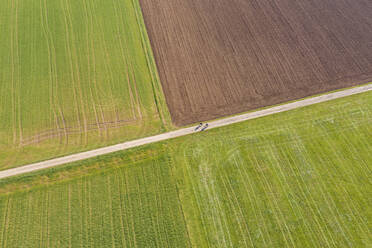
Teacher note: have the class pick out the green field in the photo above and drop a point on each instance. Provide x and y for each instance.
(134, 206)
(74, 75)
(294, 179)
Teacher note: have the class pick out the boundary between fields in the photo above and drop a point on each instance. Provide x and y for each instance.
(182, 132)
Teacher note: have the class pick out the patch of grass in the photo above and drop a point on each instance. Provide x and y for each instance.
(74, 75)
(135, 206)
(299, 178)
(79, 169)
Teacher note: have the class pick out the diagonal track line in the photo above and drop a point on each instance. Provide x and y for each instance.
(182, 132)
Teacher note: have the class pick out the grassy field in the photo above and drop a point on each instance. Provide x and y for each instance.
(295, 179)
(130, 206)
(74, 75)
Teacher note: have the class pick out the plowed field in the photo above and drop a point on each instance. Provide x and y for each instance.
(223, 57)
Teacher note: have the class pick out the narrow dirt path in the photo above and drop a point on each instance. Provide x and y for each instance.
(183, 131)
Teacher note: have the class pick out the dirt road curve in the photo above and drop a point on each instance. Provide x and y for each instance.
(181, 132)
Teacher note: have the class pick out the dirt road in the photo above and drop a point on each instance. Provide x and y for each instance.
(182, 132)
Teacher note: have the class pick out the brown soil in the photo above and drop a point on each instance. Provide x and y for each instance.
(219, 57)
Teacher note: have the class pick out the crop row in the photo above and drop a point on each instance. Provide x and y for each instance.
(127, 207)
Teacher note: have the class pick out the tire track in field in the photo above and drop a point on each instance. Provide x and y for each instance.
(285, 158)
(353, 209)
(89, 196)
(329, 199)
(81, 212)
(131, 95)
(69, 216)
(42, 218)
(126, 180)
(330, 203)
(65, 131)
(124, 192)
(109, 194)
(47, 221)
(107, 64)
(182, 211)
(53, 68)
(139, 105)
(278, 214)
(285, 187)
(140, 203)
(266, 144)
(91, 12)
(73, 130)
(351, 174)
(262, 219)
(28, 217)
(119, 190)
(239, 217)
(53, 78)
(77, 74)
(16, 38)
(124, 51)
(89, 26)
(234, 199)
(214, 214)
(320, 188)
(5, 222)
(132, 86)
(261, 188)
(68, 48)
(156, 177)
(149, 60)
(240, 169)
(14, 108)
(189, 174)
(320, 222)
(350, 200)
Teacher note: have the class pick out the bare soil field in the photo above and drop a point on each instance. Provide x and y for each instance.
(218, 57)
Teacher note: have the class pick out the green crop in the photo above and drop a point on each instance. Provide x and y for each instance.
(74, 75)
